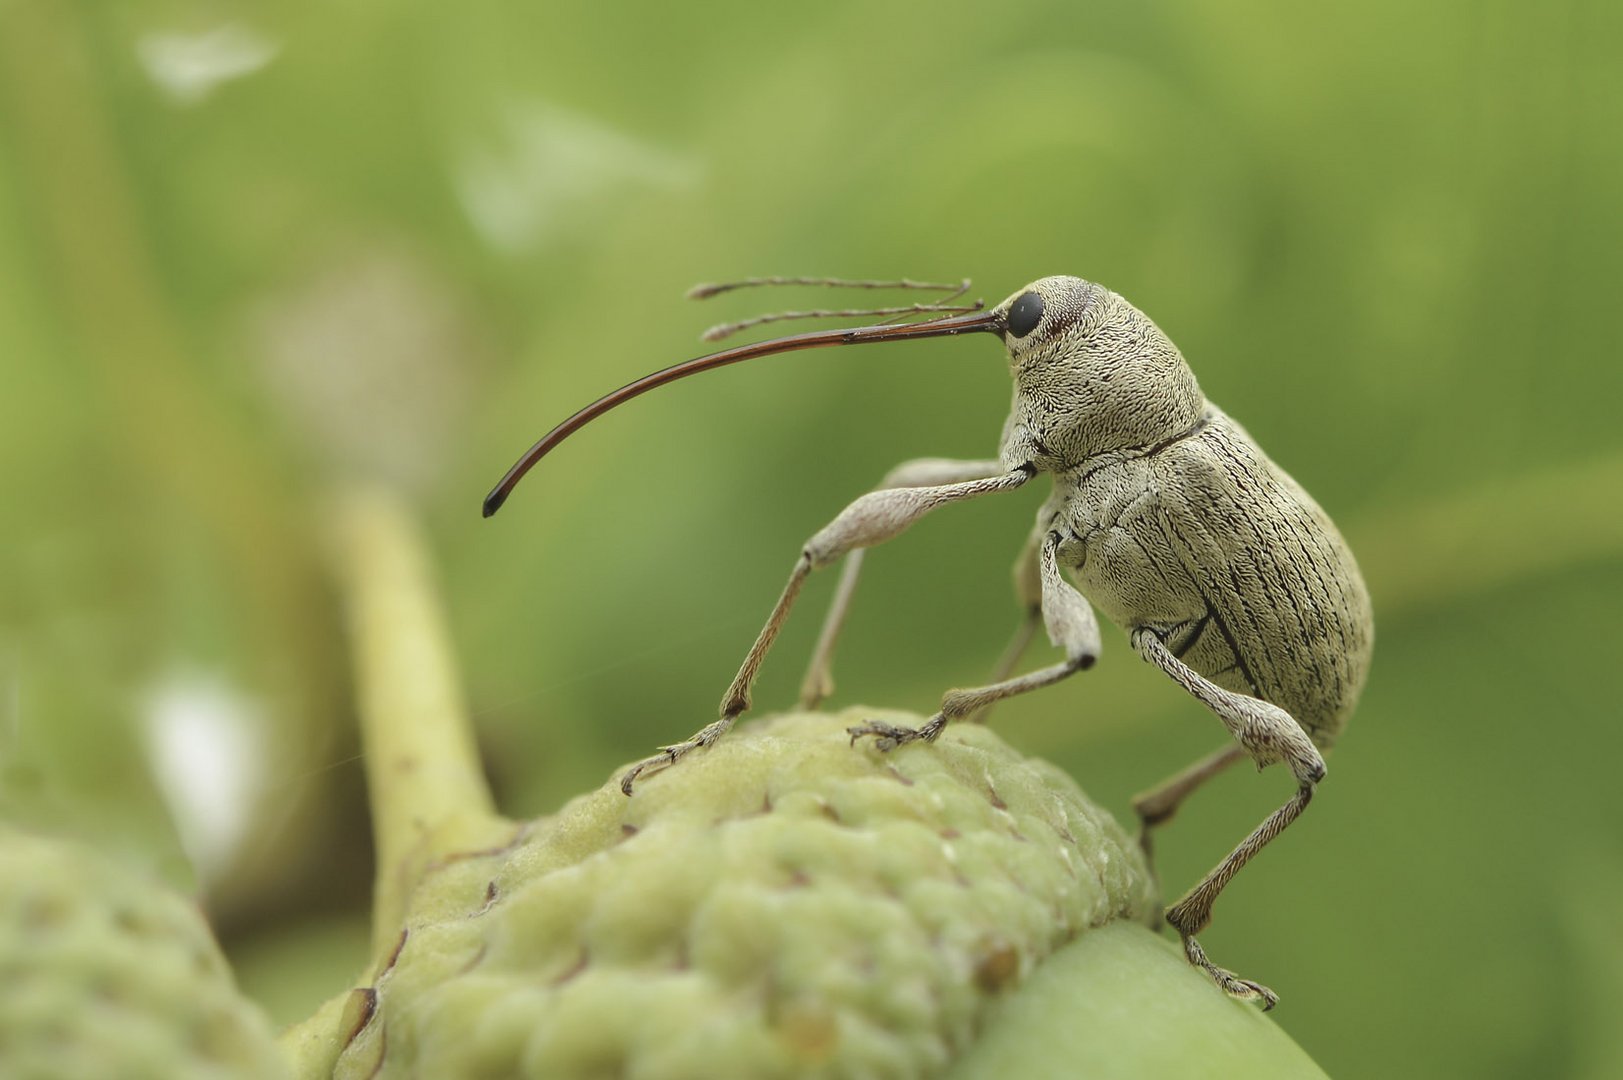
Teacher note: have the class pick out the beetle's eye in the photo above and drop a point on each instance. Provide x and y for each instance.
(1025, 313)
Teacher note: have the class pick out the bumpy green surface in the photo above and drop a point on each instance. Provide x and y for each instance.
(780, 905)
(106, 973)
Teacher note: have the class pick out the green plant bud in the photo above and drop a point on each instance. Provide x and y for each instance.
(104, 972)
(782, 904)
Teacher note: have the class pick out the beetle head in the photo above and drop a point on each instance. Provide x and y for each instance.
(1091, 373)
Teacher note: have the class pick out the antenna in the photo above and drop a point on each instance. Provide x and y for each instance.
(944, 306)
(976, 321)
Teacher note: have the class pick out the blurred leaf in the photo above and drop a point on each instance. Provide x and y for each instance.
(249, 252)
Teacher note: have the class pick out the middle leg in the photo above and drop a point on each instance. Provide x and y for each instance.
(1028, 594)
(1071, 626)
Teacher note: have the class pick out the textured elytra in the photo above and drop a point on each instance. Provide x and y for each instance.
(106, 973)
(782, 904)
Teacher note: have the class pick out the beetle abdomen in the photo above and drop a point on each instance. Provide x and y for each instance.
(1279, 583)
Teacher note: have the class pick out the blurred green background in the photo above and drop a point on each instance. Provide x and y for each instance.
(250, 255)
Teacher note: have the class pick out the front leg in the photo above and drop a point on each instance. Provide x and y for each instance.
(872, 519)
(1071, 626)
(920, 472)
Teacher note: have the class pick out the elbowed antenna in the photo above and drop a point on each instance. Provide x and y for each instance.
(979, 322)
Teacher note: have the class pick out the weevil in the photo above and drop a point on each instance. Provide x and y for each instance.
(1222, 571)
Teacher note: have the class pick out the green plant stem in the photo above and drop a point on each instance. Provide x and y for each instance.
(428, 792)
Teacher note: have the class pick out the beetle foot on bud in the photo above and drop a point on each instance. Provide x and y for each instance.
(669, 755)
(888, 737)
(1230, 983)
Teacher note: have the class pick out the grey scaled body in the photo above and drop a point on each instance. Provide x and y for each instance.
(1208, 545)
(1224, 573)
(1221, 569)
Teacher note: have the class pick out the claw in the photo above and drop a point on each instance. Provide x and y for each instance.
(888, 737)
(1230, 983)
(669, 755)
(666, 757)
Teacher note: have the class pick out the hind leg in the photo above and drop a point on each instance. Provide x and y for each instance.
(1268, 734)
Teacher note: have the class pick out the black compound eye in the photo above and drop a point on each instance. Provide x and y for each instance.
(1025, 313)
